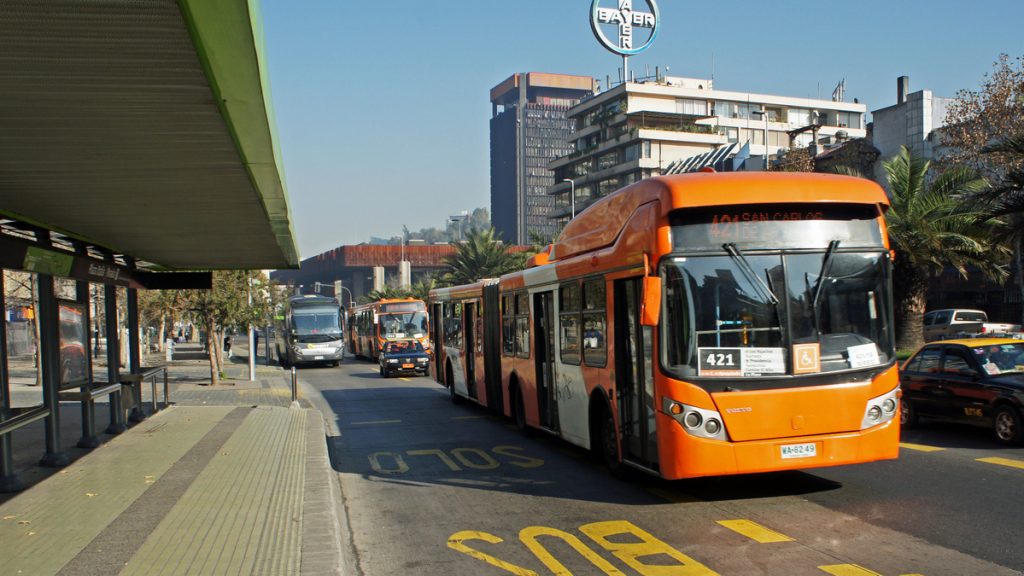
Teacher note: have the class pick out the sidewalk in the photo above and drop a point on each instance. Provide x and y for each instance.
(233, 479)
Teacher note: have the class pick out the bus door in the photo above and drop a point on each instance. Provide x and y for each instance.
(469, 343)
(634, 378)
(544, 359)
(436, 343)
(490, 313)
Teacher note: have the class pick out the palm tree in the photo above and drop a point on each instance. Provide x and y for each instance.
(388, 293)
(1006, 200)
(932, 226)
(481, 255)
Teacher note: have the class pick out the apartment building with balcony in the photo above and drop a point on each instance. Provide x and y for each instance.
(640, 129)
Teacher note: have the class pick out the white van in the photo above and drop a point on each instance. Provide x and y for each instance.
(960, 322)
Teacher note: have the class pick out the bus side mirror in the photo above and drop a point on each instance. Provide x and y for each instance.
(651, 302)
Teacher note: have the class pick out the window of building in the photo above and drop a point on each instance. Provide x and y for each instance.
(647, 148)
(595, 346)
(606, 187)
(849, 119)
(608, 160)
(569, 321)
(631, 152)
(799, 116)
(691, 106)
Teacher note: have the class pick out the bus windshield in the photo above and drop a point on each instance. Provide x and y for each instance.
(316, 324)
(777, 313)
(408, 325)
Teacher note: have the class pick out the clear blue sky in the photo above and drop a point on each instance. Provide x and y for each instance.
(382, 108)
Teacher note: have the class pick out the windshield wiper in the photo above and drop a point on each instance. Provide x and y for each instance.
(748, 271)
(826, 265)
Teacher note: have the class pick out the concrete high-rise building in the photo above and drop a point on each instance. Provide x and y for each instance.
(529, 129)
(915, 121)
(640, 129)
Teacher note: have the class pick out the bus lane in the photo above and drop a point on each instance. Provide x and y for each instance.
(434, 488)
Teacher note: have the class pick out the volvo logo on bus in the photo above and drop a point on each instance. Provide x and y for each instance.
(624, 20)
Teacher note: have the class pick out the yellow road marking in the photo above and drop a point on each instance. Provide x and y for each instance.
(755, 531)
(377, 422)
(1003, 461)
(847, 570)
(920, 447)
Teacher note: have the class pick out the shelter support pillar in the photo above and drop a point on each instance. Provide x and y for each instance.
(89, 438)
(117, 424)
(49, 360)
(134, 351)
(9, 481)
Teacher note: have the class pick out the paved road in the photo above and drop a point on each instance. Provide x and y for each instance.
(434, 488)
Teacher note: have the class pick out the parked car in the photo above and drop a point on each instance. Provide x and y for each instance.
(961, 323)
(978, 381)
(405, 356)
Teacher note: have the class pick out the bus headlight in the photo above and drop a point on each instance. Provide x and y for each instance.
(696, 421)
(880, 410)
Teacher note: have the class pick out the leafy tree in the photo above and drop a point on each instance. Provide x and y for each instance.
(235, 301)
(930, 226)
(480, 256)
(978, 118)
(1005, 200)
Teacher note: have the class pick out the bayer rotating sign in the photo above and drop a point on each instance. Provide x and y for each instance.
(624, 25)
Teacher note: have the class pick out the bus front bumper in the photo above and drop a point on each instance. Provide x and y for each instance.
(685, 456)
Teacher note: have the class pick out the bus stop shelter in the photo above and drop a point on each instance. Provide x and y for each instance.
(137, 150)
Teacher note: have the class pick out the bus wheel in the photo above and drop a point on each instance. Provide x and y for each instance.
(519, 413)
(1006, 423)
(908, 414)
(608, 442)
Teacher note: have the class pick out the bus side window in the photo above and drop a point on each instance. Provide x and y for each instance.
(507, 320)
(523, 325)
(595, 352)
(569, 320)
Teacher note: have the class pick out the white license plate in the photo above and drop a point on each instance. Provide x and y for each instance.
(318, 357)
(799, 450)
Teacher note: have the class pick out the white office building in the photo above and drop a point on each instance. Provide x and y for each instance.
(640, 129)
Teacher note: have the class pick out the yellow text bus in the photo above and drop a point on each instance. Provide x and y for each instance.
(696, 325)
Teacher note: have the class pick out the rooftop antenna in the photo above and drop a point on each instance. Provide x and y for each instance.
(712, 68)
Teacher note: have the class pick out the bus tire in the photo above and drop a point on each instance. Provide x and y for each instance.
(908, 415)
(1007, 425)
(608, 444)
(519, 413)
(456, 399)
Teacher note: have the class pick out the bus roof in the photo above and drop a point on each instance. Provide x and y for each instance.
(599, 225)
(463, 291)
(312, 300)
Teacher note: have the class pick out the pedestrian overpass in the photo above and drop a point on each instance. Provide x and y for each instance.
(137, 151)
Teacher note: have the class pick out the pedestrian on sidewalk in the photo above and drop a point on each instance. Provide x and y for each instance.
(227, 345)
(255, 343)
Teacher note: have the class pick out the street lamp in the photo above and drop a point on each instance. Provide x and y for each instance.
(460, 219)
(572, 195)
(764, 113)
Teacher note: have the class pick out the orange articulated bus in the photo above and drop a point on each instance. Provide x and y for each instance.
(695, 325)
(372, 324)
